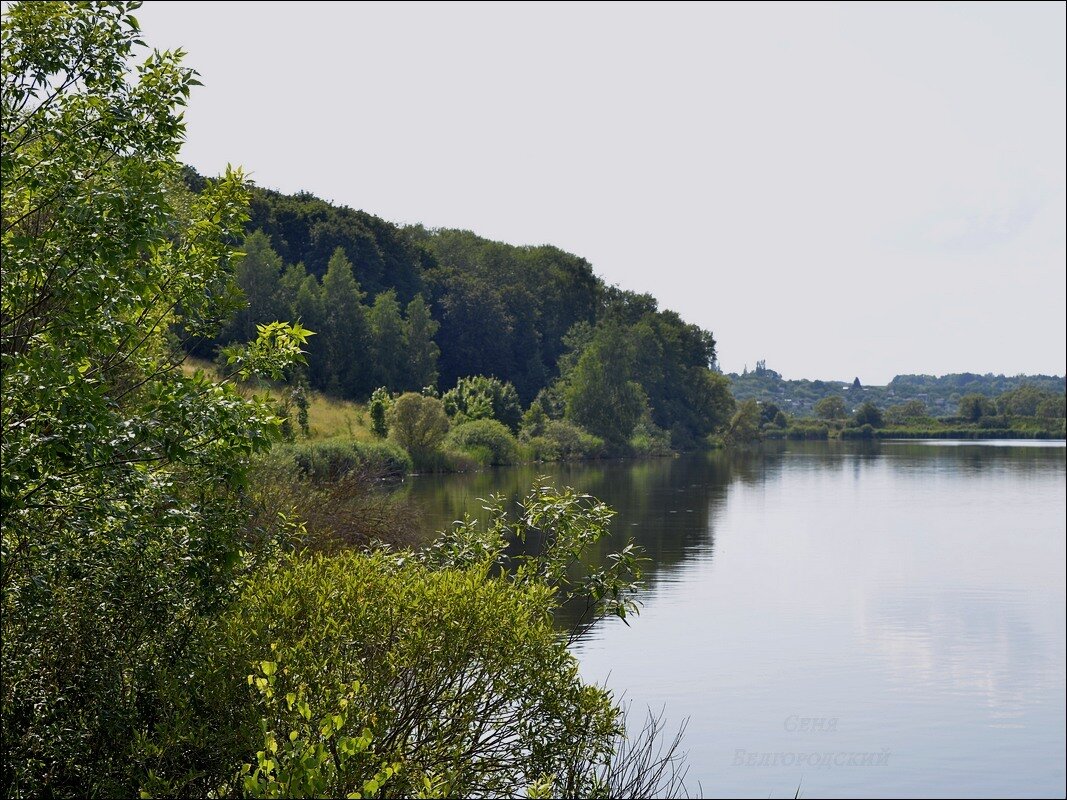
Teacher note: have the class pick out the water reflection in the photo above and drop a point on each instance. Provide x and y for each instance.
(914, 592)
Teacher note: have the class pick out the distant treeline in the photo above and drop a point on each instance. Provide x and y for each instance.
(408, 308)
(940, 395)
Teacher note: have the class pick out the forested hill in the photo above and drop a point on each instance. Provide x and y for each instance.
(408, 307)
(941, 395)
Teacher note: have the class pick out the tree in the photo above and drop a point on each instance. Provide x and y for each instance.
(1022, 401)
(344, 330)
(911, 409)
(388, 341)
(975, 406)
(258, 275)
(423, 352)
(418, 424)
(769, 412)
(1052, 407)
(868, 414)
(832, 407)
(311, 311)
(745, 425)
(601, 395)
(124, 511)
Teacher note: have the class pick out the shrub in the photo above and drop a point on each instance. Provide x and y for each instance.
(378, 406)
(564, 441)
(487, 438)
(649, 439)
(572, 442)
(483, 397)
(449, 655)
(865, 431)
(418, 424)
(330, 459)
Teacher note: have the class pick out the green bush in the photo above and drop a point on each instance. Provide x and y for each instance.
(865, 431)
(649, 439)
(418, 424)
(483, 397)
(487, 438)
(444, 674)
(379, 404)
(489, 677)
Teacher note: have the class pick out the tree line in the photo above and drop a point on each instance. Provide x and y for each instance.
(411, 309)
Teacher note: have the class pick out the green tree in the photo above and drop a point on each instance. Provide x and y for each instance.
(311, 311)
(423, 352)
(388, 340)
(1022, 401)
(1052, 407)
(601, 395)
(124, 518)
(258, 274)
(832, 407)
(868, 414)
(344, 330)
(744, 426)
(975, 406)
(418, 424)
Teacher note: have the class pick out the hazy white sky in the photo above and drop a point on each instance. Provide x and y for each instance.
(839, 189)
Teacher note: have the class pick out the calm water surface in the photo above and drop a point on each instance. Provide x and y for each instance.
(906, 599)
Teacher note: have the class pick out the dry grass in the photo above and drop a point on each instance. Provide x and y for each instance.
(326, 416)
(355, 510)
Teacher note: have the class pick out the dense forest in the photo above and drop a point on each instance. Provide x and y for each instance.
(411, 309)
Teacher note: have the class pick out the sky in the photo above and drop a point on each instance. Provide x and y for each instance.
(841, 190)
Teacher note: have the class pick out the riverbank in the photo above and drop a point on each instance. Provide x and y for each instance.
(825, 430)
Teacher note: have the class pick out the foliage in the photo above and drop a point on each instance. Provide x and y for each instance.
(523, 315)
(418, 424)
(1025, 401)
(124, 515)
(330, 459)
(389, 345)
(553, 530)
(745, 425)
(901, 412)
(422, 350)
(831, 407)
(487, 437)
(648, 439)
(868, 414)
(485, 701)
(973, 407)
(600, 395)
(318, 756)
(865, 431)
(483, 397)
(380, 403)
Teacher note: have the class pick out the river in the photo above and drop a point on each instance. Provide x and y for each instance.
(844, 619)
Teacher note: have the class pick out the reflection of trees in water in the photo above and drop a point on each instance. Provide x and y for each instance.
(669, 506)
